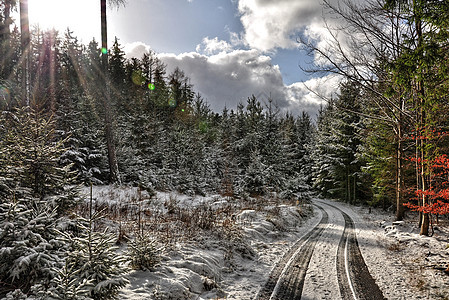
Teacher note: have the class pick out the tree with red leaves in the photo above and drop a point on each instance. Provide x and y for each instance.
(437, 194)
(438, 191)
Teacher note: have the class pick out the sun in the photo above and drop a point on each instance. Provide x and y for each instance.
(81, 16)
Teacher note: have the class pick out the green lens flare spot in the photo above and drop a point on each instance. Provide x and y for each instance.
(104, 50)
(151, 86)
(172, 103)
(137, 78)
(203, 126)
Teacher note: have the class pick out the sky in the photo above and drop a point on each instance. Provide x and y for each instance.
(230, 49)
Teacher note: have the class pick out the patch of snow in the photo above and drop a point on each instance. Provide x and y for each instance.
(404, 264)
(212, 269)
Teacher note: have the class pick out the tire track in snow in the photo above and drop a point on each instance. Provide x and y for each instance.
(286, 279)
(354, 278)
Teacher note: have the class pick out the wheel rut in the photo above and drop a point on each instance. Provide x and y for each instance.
(286, 280)
(354, 278)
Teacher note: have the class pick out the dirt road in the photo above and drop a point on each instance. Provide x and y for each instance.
(325, 263)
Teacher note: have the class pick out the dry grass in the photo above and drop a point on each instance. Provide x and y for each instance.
(395, 247)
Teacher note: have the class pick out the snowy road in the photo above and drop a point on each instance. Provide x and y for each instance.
(325, 263)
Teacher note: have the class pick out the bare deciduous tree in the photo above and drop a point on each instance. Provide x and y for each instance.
(363, 39)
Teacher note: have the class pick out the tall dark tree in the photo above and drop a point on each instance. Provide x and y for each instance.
(106, 100)
(272, 149)
(26, 52)
(6, 49)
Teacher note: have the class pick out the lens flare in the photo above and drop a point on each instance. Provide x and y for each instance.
(151, 86)
(137, 78)
(172, 103)
(203, 126)
(104, 50)
(4, 93)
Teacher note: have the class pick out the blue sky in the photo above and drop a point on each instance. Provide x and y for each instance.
(230, 49)
(175, 25)
(178, 26)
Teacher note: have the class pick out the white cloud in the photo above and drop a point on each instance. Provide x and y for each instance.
(136, 49)
(271, 24)
(213, 46)
(309, 95)
(227, 78)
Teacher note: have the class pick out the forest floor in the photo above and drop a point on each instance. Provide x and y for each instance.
(405, 264)
(231, 252)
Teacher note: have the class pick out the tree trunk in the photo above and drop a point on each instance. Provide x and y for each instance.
(422, 120)
(53, 74)
(25, 44)
(112, 157)
(418, 174)
(400, 209)
(354, 178)
(425, 200)
(348, 188)
(5, 36)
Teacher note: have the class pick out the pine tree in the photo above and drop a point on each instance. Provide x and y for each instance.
(6, 51)
(297, 166)
(338, 174)
(28, 244)
(229, 167)
(117, 65)
(346, 128)
(272, 151)
(254, 180)
(323, 152)
(305, 131)
(92, 263)
(34, 194)
(181, 91)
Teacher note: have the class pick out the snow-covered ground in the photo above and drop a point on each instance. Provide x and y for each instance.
(236, 263)
(212, 269)
(404, 264)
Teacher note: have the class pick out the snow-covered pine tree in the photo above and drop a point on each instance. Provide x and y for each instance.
(272, 151)
(337, 164)
(77, 115)
(249, 148)
(143, 252)
(36, 152)
(28, 245)
(323, 152)
(346, 138)
(240, 150)
(228, 170)
(92, 263)
(297, 163)
(305, 132)
(33, 193)
(254, 182)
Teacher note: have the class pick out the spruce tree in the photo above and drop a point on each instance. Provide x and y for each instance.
(272, 150)
(92, 263)
(323, 153)
(34, 194)
(337, 164)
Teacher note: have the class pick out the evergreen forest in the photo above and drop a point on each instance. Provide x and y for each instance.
(79, 115)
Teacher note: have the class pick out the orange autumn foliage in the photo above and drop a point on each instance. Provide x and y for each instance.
(438, 193)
